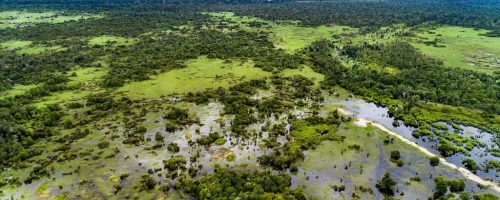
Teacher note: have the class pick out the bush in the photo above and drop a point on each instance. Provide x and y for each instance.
(226, 184)
(442, 185)
(208, 140)
(220, 141)
(386, 185)
(470, 165)
(434, 161)
(174, 163)
(170, 127)
(147, 182)
(173, 147)
(395, 155)
(103, 144)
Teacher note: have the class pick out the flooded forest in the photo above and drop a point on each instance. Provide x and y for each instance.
(249, 99)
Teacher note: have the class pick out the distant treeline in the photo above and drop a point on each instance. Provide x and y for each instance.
(478, 14)
(368, 14)
(128, 2)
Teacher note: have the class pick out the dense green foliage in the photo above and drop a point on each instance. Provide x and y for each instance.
(225, 184)
(444, 185)
(480, 14)
(399, 71)
(420, 78)
(386, 185)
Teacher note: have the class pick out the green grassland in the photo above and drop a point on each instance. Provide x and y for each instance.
(305, 71)
(456, 46)
(105, 39)
(292, 37)
(16, 44)
(288, 35)
(200, 74)
(85, 82)
(232, 17)
(63, 97)
(27, 47)
(461, 47)
(382, 35)
(86, 75)
(16, 90)
(13, 19)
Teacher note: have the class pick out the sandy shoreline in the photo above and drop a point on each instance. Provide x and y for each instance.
(466, 173)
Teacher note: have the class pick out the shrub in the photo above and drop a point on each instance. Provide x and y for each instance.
(434, 161)
(173, 147)
(386, 185)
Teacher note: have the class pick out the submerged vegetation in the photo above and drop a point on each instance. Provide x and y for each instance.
(247, 100)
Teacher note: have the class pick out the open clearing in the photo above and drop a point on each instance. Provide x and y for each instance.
(13, 19)
(105, 39)
(27, 47)
(86, 76)
(287, 35)
(292, 37)
(307, 72)
(16, 90)
(85, 80)
(461, 47)
(200, 74)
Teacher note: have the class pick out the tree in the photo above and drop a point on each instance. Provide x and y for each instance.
(227, 184)
(441, 187)
(173, 147)
(456, 185)
(395, 155)
(386, 185)
(147, 182)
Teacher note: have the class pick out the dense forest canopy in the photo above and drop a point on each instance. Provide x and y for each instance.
(479, 14)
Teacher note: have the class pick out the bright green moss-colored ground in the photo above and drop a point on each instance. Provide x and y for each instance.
(16, 44)
(286, 35)
(462, 47)
(232, 17)
(63, 97)
(88, 76)
(200, 74)
(103, 40)
(13, 19)
(292, 37)
(16, 90)
(26, 47)
(305, 71)
(85, 80)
